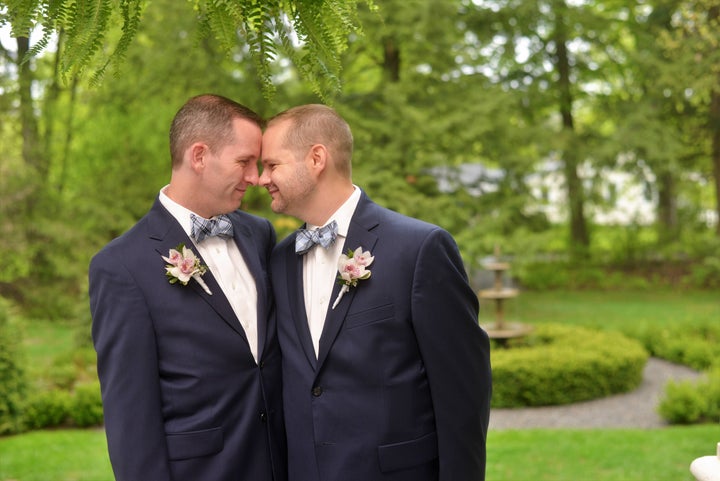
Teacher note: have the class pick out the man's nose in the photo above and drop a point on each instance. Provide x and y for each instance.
(264, 179)
(251, 175)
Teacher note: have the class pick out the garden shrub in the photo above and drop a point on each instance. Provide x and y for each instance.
(697, 346)
(688, 402)
(75, 367)
(706, 273)
(46, 409)
(13, 383)
(560, 364)
(86, 409)
(81, 407)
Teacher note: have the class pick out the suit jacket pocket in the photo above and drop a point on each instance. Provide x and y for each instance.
(408, 453)
(194, 444)
(368, 316)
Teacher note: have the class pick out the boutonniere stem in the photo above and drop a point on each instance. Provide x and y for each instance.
(184, 265)
(352, 267)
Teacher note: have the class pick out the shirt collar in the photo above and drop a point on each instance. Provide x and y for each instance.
(344, 213)
(180, 213)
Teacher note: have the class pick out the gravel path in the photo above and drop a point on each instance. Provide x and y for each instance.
(636, 409)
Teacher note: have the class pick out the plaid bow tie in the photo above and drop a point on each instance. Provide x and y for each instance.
(202, 228)
(307, 239)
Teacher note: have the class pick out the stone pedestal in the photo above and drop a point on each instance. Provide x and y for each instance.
(707, 468)
(501, 330)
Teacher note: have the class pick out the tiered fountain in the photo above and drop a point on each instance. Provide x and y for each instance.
(501, 330)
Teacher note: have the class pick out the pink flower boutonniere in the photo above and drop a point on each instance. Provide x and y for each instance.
(351, 269)
(183, 265)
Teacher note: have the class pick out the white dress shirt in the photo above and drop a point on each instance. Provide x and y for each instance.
(226, 263)
(320, 269)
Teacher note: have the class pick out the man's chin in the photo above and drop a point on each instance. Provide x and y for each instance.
(277, 207)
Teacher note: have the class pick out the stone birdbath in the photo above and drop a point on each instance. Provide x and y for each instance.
(500, 329)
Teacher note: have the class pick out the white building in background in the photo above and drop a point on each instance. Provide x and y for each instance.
(625, 199)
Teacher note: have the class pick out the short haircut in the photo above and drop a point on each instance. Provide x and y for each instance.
(207, 118)
(318, 124)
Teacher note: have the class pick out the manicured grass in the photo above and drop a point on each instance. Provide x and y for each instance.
(61, 455)
(598, 455)
(609, 310)
(513, 455)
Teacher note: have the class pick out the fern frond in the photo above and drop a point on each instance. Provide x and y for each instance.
(89, 23)
(131, 11)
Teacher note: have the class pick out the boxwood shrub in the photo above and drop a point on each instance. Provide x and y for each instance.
(560, 364)
(692, 401)
(81, 407)
(13, 380)
(48, 409)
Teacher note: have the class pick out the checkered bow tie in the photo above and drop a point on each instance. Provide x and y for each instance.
(307, 239)
(203, 228)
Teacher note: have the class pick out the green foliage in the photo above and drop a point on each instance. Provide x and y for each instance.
(692, 402)
(46, 409)
(707, 273)
(72, 368)
(12, 376)
(79, 407)
(697, 346)
(558, 364)
(86, 409)
(321, 28)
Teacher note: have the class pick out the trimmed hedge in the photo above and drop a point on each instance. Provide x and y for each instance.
(81, 407)
(13, 382)
(560, 364)
(696, 346)
(691, 402)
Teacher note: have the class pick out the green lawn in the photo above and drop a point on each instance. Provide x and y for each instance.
(528, 455)
(513, 455)
(61, 455)
(598, 455)
(609, 310)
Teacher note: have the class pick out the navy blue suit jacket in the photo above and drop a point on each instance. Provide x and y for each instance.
(183, 397)
(400, 389)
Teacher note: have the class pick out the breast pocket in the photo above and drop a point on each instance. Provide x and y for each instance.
(370, 316)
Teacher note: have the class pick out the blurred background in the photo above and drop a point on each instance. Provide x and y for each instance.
(578, 140)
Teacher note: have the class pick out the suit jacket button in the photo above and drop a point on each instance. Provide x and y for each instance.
(317, 391)
(263, 417)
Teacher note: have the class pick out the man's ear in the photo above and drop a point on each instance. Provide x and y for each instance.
(318, 158)
(198, 156)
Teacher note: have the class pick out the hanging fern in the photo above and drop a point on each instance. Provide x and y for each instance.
(265, 26)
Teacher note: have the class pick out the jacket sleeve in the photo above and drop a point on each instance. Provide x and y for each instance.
(127, 363)
(456, 354)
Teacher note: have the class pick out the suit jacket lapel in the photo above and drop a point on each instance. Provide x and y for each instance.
(359, 235)
(165, 229)
(296, 298)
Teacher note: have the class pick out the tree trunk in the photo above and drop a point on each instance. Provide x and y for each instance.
(31, 149)
(391, 60)
(667, 223)
(714, 124)
(579, 236)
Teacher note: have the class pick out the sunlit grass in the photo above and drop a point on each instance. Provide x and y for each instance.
(58, 455)
(609, 310)
(598, 454)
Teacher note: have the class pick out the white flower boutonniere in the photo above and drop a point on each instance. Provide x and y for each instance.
(183, 265)
(352, 267)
